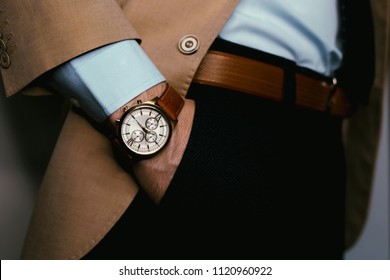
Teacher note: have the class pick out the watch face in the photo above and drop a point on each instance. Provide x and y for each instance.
(145, 129)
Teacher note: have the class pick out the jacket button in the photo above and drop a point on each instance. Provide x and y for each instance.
(5, 60)
(3, 46)
(189, 44)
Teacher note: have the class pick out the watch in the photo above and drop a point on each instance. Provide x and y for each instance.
(146, 128)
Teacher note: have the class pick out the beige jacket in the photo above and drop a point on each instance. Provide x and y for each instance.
(84, 191)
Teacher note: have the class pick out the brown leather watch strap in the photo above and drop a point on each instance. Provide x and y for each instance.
(171, 102)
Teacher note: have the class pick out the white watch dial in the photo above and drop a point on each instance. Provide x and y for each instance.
(145, 129)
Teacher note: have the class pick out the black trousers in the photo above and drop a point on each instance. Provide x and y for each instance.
(258, 180)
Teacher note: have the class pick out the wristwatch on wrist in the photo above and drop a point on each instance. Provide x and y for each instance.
(145, 128)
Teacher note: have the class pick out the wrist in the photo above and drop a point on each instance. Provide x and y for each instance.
(143, 127)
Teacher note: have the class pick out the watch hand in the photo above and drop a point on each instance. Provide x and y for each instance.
(140, 125)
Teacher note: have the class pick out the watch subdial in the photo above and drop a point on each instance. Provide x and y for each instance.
(151, 136)
(151, 123)
(137, 135)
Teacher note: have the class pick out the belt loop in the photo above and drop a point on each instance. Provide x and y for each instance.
(289, 86)
(332, 91)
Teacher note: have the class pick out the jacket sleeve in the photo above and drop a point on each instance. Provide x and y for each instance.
(38, 35)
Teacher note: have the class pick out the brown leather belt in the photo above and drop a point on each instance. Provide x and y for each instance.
(265, 80)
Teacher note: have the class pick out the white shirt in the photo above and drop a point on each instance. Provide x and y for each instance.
(303, 31)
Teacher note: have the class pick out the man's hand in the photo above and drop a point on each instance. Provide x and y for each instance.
(156, 173)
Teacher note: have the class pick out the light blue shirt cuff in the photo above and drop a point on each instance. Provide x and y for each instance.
(102, 80)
